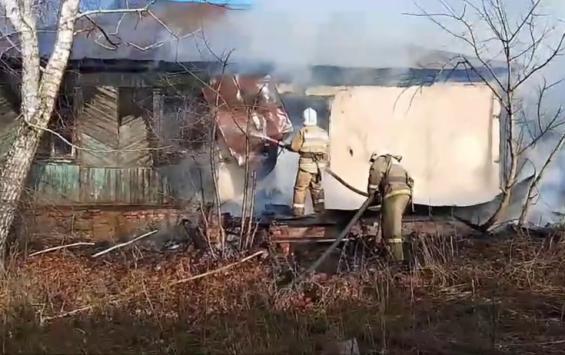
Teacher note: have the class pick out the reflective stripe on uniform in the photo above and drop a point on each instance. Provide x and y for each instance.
(394, 241)
(298, 205)
(316, 140)
(320, 200)
(398, 192)
(310, 165)
(316, 134)
(373, 187)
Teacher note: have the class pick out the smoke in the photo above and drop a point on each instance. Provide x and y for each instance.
(292, 35)
(549, 204)
(295, 35)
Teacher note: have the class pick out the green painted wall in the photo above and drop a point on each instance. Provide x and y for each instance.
(68, 184)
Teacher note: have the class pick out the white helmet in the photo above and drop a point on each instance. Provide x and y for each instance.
(384, 152)
(310, 117)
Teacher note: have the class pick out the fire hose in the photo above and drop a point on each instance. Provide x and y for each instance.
(331, 173)
(344, 183)
(347, 229)
(342, 235)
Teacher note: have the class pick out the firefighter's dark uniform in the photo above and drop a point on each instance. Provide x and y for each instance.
(312, 143)
(394, 185)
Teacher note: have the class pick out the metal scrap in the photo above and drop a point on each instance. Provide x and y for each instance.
(248, 107)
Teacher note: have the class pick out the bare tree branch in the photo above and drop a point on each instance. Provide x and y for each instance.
(138, 11)
(531, 195)
(519, 42)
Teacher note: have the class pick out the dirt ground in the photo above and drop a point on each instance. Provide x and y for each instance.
(468, 296)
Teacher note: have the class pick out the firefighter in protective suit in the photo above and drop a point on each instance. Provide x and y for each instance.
(394, 186)
(312, 144)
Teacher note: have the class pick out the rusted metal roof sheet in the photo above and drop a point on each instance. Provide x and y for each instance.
(247, 107)
(67, 184)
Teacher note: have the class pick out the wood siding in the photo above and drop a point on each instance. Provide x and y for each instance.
(106, 139)
(68, 184)
(97, 127)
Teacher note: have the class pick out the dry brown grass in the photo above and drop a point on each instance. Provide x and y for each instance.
(469, 297)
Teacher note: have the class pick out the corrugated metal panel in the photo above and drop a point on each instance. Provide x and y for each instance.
(63, 184)
(234, 95)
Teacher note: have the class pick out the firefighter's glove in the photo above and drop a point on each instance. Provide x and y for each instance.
(377, 199)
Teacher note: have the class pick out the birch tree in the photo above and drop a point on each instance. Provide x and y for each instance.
(39, 89)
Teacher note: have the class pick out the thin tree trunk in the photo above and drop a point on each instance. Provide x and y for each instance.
(510, 179)
(38, 100)
(12, 179)
(505, 200)
(534, 185)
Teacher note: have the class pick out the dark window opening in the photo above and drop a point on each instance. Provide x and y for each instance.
(185, 121)
(59, 142)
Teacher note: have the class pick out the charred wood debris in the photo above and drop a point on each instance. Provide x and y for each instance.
(279, 233)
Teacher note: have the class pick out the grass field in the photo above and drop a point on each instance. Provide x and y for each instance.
(470, 296)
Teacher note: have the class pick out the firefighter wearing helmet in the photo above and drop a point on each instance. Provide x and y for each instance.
(312, 144)
(393, 185)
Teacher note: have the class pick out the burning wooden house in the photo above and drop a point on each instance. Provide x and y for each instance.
(132, 133)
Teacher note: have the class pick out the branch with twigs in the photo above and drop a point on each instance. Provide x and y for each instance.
(48, 250)
(531, 195)
(43, 320)
(487, 28)
(66, 141)
(223, 268)
(121, 245)
(146, 10)
(137, 11)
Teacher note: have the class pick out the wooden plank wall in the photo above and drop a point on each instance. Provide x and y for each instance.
(134, 113)
(107, 139)
(97, 126)
(70, 184)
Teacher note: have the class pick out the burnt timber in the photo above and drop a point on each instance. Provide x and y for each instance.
(324, 228)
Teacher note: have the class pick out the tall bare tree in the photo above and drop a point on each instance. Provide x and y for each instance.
(39, 90)
(517, 34)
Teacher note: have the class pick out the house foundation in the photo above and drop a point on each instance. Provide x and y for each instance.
(97, 223)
